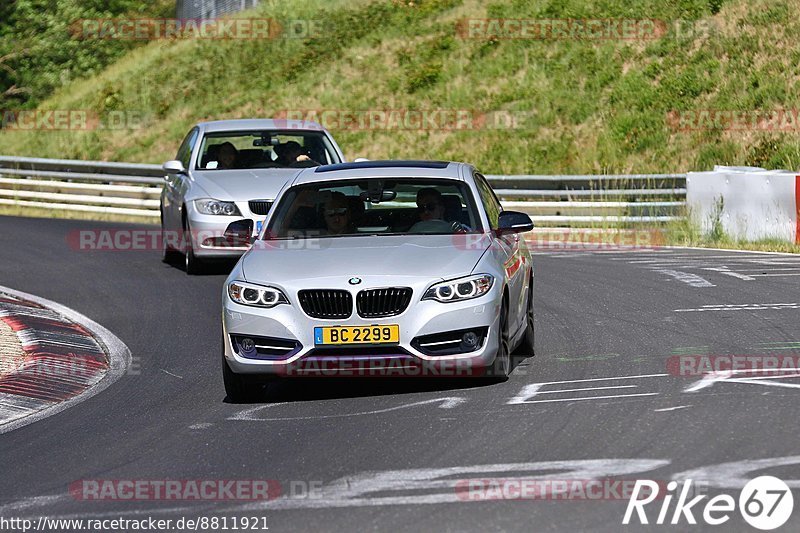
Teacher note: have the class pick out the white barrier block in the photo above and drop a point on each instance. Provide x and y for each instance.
(749, 203)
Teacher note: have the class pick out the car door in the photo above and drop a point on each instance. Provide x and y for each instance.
(511, 254)
(176, 184)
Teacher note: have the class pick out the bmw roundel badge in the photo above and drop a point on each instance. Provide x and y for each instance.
(354, 281)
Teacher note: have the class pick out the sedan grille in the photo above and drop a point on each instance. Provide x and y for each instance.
(378, 303)
(326, 303)
(259, 207)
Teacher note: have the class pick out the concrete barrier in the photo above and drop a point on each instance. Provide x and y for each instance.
(747, 203)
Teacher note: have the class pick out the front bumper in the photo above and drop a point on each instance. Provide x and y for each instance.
(288, 323)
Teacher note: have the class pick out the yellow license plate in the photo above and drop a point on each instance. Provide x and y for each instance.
(389, 334)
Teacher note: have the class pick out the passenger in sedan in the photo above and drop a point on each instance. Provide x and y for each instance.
(227, 156)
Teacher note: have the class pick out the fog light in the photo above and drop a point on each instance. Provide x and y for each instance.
(469, 340)
(247, 345)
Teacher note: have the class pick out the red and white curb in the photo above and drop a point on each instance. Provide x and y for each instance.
(60, 358)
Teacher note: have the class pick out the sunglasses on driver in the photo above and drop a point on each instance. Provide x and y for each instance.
(430, 206)
(336, 212)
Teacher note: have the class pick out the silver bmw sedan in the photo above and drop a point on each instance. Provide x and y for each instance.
(380, 268)
(228, 170)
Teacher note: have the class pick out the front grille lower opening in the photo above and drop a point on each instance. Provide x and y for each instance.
(350, 351)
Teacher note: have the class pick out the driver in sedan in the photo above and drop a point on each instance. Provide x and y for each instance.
(292, 155)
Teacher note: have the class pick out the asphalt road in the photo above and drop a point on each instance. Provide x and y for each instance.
(602, 317)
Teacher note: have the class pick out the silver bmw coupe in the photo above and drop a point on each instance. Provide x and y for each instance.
(380, 268)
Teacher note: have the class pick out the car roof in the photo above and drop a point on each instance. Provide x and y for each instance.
(377, 169)
(259, 124)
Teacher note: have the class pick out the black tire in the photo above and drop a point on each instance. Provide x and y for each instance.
(527, 346)
(192, 265)
(169, 254)
(501, 367)
(238, 387)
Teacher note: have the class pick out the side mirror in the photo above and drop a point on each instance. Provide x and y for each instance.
(240, 232)
(514, 222)
(174, 167)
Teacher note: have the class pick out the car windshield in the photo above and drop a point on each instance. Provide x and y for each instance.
(375, 206)
(265, 149)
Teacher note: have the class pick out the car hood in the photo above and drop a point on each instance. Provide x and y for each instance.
(367, 257)
(243, 185)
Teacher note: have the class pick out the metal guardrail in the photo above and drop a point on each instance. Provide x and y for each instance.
(133, 190)
(594, 199)
(89, 186)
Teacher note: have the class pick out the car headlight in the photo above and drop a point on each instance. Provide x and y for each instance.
(209, 206)
(460, 289)
(255, 295)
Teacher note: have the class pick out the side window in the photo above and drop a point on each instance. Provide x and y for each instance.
(185, 151)
(489, 200)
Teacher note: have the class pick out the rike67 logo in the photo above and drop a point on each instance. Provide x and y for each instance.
(765, 503)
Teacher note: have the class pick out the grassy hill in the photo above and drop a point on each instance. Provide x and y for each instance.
(583, 106)
(38, 52)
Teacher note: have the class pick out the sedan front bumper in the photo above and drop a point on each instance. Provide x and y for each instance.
(208, 232)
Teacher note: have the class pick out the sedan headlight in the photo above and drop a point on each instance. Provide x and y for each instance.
(460, 289)
(209, 206)
(255, 295)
